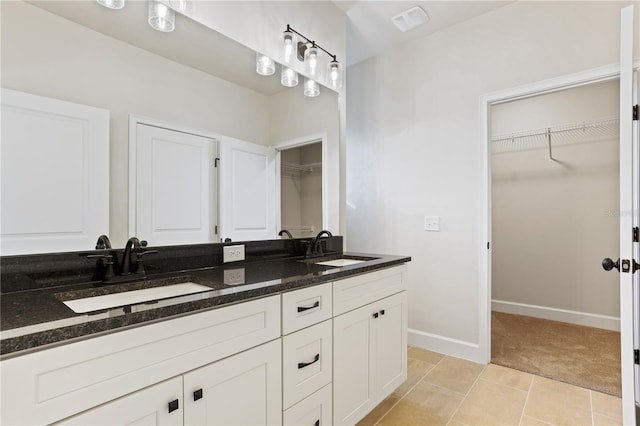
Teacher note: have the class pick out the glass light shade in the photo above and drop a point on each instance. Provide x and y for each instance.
(288, 77)
(264, 64)
(181, 5)
(311, 88)
(112, 4)
(334, 71)
(161, 17)
(288, 43)
(311, 59)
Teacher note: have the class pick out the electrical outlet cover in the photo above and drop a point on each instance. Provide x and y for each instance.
(432, 223)
(233, 253)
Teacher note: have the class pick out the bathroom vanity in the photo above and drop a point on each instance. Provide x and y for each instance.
(276, 339)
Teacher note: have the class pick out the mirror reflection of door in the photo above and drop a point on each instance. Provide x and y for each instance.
(301, 190)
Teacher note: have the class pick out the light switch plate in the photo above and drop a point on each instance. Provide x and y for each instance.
(432, 223)
(233, 253)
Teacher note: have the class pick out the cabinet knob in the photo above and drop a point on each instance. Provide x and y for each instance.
(317, 423)
(197, 394)
(375, 315)
(382, 312)
(173, 405)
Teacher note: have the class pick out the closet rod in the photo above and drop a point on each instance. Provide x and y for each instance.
(558, 129)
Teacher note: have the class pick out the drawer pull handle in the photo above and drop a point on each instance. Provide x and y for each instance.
(306, 364)
(317, 423)
(197, 395)
(173, 405)
(306, 308)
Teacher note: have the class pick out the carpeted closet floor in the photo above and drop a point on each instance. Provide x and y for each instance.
(582, 356)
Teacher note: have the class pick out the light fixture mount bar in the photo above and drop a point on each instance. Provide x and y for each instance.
(313, 43)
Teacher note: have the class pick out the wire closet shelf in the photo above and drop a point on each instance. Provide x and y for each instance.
(584, 132)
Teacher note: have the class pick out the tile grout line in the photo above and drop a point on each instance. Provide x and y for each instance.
(467, 394)
(526, 400)
(410, 389)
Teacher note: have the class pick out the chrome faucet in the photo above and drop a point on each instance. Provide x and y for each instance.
(284, 231)
(316, 247)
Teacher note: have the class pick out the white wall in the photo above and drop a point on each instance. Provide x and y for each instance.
(46, 55)
(554, 221)
(414, 146)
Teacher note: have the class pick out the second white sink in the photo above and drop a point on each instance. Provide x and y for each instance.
(339, 262)
(107, 301)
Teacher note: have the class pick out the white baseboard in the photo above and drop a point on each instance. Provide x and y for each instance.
(445, 345)
(564, 315)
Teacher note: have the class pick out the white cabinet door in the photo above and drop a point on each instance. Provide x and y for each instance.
(175, 192)
(159, 404)
(353, 365)
(247, 191)
(391, 344)
(370, 356)
(244, 389)
(55, 174)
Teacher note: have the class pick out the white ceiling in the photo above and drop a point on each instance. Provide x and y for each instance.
(371, 32)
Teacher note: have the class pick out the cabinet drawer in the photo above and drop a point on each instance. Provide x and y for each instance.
(302, 308)
(314, 410)
(351, 293)
(307, 362)
(49, 385)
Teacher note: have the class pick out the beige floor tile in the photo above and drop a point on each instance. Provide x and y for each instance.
(416, 369)
(600, 420)
(381, 409)
(454, 374)
(558, 403)
(507, 377)
(424, 405)
(491, 404)
(606, 405)
(530, 421)
(424, 355)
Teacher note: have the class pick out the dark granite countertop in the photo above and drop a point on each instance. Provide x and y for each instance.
(37, 318)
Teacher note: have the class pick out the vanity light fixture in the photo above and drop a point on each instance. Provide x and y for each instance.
(264, 64)
(112, 4)
(308, 51)
(288, 77)
(161, 17)
(311, 88)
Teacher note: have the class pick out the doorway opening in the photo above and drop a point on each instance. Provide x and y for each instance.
(554, 205)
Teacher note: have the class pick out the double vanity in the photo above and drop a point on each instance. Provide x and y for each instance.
(277, 338)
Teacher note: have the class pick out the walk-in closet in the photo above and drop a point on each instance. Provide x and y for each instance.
(555, 198)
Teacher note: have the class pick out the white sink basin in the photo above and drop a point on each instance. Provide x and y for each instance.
(97, 303)
(339, 262)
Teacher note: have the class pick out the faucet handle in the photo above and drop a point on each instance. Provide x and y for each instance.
(108, 263)
(139, 264)
(143, 243)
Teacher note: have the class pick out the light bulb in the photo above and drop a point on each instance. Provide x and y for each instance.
(264, 64)
(288, 77)
(112, 4)
(161, 17)
(287, 37)
(335, 74)
(311, 58)
(311, 87)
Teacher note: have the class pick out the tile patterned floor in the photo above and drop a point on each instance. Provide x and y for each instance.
(442, 390)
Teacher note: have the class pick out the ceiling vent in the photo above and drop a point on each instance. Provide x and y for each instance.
(409, 19)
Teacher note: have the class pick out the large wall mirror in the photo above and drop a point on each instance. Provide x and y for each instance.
(193, 78)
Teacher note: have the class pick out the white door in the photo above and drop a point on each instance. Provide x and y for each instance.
(176, 193)
(391, 344)
(629, 216)
(55, 174)
(247, 191)
(159, 404)
(354, 387)
(244, 389)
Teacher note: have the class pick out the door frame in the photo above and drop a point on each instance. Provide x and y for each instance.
(296, 143)
(134, 120)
